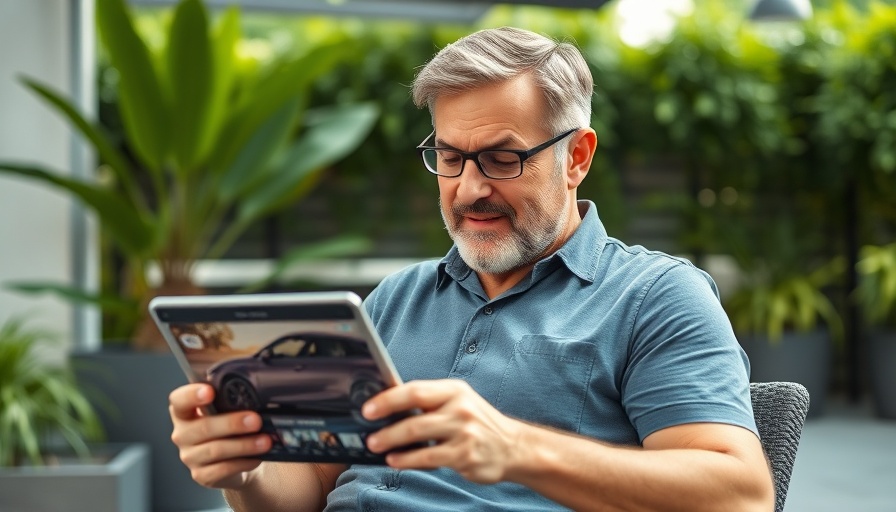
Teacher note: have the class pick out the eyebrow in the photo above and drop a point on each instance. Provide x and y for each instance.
(500, 144)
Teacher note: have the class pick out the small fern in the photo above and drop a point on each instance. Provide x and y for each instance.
(40, 403)
(796, 302)
(877, 285)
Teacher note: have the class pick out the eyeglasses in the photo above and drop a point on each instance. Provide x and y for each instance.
(497, 164)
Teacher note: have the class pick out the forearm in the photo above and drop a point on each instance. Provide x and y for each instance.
(275, 487)
(586, 475)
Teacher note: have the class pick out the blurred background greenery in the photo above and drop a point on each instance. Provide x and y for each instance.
(770, 120)
(257, 143)
(768, 147)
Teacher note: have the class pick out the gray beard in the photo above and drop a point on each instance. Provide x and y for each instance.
(508, 252)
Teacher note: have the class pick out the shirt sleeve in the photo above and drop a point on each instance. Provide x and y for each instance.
(370, 305)
(685, 364)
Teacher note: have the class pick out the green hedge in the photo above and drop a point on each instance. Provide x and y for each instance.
(776, 120)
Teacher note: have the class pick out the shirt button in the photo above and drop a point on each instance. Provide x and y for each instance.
(471, 348)
(488, 310)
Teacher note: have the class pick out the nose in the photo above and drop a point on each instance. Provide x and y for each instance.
(472, 184)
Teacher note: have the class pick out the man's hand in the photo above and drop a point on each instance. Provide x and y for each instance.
(471, 436)
(215, 448)
(699, 466)
(219, 449)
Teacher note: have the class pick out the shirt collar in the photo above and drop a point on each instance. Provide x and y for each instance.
(580, 254)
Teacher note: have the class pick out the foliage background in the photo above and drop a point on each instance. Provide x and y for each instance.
(725, 137)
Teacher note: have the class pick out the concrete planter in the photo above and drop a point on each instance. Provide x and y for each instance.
(138, 384)
(118, 481)
(796, 357)
(882, 362)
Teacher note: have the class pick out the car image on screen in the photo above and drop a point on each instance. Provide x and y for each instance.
(307, 371)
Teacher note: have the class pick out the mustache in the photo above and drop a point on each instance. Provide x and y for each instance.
(482, 206)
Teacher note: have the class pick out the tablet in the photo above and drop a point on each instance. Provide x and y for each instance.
(306, 362)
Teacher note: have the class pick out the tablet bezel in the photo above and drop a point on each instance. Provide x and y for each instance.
(253, 308)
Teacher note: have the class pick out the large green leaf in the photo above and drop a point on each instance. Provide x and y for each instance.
(190, 65)
(224, 39)
(126, 225)
(287, 81)
(110, 155)
(74, 294)
(250, 168)
(142, 102)
(249, 164)
(332, 133)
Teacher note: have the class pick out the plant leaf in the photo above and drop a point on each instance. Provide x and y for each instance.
(288, 81)
(110, 155)
(247, 169)
(191, 82)
(805, 305)
(109, 303)
(333, 133)
(143, 106)
(125, 224)
(224, 40)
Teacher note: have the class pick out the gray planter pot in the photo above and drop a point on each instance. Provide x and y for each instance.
(120, 483)
(137, 385)
(882, 362)
(797, 357)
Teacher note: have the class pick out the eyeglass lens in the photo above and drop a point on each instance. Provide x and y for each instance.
(495, 164)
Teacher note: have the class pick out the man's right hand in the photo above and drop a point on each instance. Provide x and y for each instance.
(219, 448)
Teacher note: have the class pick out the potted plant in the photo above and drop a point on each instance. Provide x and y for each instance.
(876, 296)
(211, 142)
(780, 312)
(786, 327)
(211, 146)
(47, 429)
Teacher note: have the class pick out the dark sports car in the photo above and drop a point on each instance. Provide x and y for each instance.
(313, 371)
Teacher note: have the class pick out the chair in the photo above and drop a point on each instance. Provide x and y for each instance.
(780, 410)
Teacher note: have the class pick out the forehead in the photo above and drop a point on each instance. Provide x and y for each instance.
(511, 109)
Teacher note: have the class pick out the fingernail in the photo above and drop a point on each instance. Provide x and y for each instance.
(372, 442)
(249, 421)
(260, 442)
(202, 393)
(368, 410)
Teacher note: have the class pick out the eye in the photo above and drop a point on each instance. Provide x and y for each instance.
(500, 159)
(449, 158)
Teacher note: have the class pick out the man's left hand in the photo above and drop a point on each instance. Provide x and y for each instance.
(470, 436)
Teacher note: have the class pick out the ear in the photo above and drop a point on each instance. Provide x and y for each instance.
(581, 152)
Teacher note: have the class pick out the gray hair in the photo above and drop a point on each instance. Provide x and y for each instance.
(499, 54)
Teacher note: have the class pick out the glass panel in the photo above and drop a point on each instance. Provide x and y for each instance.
(501, 164)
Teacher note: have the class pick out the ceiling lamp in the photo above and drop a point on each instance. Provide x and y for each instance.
(781, 10)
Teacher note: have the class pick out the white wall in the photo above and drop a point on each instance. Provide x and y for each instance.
(35, 222)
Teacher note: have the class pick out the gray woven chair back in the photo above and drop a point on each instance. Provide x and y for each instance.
(780, 410)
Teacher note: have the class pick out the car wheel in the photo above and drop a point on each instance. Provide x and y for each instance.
(237, 394)
(362, 390)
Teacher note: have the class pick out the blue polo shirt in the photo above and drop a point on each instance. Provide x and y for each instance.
(601, 339)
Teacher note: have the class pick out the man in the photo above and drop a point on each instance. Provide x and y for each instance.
(556, 367)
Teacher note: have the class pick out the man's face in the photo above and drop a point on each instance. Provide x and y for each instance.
(501, 225)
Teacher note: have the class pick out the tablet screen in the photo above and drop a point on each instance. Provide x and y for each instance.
(306, 368)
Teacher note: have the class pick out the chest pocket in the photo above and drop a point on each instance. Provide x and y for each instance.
(546, 381)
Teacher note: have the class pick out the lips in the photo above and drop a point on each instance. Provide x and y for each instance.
(482, 218)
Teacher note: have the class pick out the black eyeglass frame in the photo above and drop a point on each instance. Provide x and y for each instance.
(523, 154)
